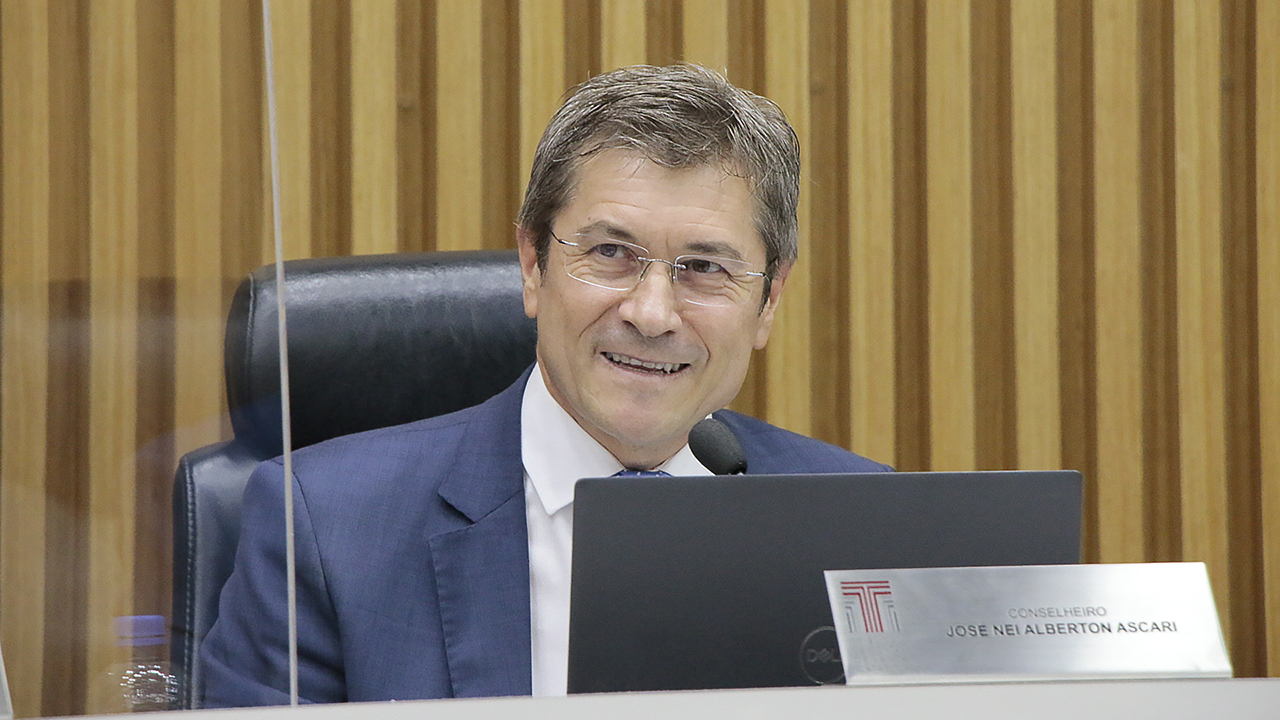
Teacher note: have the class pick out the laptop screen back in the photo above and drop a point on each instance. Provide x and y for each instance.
(691, 583)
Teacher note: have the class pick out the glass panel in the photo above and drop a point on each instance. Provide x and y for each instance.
(133, 203)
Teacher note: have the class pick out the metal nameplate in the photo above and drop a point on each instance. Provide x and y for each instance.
(1043, 622)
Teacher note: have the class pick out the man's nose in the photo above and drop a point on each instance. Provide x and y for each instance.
(651, 306)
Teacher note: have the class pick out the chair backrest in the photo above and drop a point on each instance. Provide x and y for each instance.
(373, 341)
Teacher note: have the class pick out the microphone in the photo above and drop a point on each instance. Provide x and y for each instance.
(714, 445)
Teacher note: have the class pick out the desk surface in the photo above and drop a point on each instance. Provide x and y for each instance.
(1244, 699)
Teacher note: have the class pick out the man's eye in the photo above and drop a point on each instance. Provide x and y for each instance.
(612, 251)
(703, 266)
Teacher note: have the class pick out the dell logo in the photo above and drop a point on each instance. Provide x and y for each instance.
(825, 655)
(820, 657)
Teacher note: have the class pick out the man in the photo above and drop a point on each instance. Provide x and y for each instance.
(655, 241)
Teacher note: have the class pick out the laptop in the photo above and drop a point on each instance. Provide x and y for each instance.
(716, 582)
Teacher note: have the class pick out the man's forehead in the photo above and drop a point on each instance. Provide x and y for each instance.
(626, 161)
(613, 169)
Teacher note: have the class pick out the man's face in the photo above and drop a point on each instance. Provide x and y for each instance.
(591, 340)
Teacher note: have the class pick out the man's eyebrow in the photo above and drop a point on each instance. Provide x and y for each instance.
(711, 247)
(611, 230)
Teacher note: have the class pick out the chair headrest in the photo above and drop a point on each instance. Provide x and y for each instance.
(374, 340)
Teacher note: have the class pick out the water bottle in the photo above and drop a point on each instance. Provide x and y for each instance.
(145, 683)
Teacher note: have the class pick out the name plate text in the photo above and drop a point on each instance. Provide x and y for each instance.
(1047, 622)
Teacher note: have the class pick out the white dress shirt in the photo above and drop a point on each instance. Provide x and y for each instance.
(557, 452)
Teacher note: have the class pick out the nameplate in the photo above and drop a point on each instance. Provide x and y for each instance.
(1043, 622)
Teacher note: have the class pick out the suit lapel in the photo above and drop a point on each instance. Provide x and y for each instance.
(482, 570)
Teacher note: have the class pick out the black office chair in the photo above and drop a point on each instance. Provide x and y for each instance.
(373, 341)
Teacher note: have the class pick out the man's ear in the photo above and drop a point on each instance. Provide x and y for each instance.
(529, 271)
(765, 321)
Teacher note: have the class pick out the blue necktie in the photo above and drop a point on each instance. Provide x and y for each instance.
(627, 473)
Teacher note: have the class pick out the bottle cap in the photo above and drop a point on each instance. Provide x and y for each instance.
(136, 630)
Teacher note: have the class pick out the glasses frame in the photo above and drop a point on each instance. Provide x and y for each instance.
(642, 255)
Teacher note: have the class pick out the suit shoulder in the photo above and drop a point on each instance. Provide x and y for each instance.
(771, 449)
(376, 465)
(433, 438)
(408, 434)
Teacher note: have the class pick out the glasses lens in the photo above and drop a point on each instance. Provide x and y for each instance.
(604, 262)
(705, 280)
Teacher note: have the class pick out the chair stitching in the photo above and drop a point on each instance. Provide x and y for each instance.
(190, 641)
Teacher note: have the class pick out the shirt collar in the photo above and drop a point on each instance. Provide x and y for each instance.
(557, 452)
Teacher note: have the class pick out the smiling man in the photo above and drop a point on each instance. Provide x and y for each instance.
(655, 240)
(637, 350)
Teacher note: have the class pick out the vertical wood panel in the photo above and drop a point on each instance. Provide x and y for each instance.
(1241, 453)
(873, 417)
(1119, 266)
(826, 259)
(373, 126)
(24, 378)
(416, 125)
(746, 44)
(992, 325)
(1076, 253)
(949, 143)
(113, 302)
(1200, 337)
(501, 185)
(198, 221)
(1267, 114)
(746, 69)
(583, 28)
(1035, 228)
(1160, 393)
(291, 42)
(458, 121)
(542, 77)
(788, 365)
(623, 36)
(246, 204)
(664, 32)
(154, 422)
(706, 33)
(67, 445)
(331, 130)
(910, 238)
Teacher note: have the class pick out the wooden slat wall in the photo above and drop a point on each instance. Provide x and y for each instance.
(459, 138)
(1118, 280)
(788, 360)
(1267, 152)
(1034, 234)
(24, 362)
(870, 203)
(1201, 386)
(1033, 61)
(114, 283)
(373, 116)
(292, 37)
(949, 237)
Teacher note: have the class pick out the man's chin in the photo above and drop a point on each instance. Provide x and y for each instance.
(644, 435)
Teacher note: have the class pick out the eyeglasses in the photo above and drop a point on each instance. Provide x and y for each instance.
(606, 262)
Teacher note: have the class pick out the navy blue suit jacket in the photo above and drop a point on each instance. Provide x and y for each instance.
(412, 561)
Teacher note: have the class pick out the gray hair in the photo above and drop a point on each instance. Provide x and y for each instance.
(679, 116)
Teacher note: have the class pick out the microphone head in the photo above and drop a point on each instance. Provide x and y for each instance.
(714, 445)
